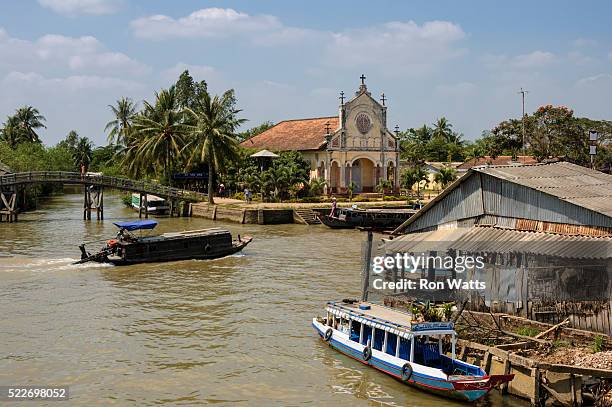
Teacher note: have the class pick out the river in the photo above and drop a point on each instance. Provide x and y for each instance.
(232, 331)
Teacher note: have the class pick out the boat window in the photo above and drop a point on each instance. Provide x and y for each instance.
(391, 343)
(355, 329)
(367, 335)
(404, 350)
(379, 338)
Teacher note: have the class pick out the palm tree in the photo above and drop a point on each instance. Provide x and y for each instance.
(161, 130)
(120, 127)
(82, 153)
(442, 129)
(350, 188)
(212, 136)
(9, 133)
(29, 119)
(445, 176)
(317, 186)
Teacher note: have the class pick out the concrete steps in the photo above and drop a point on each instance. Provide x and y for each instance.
(305, 216)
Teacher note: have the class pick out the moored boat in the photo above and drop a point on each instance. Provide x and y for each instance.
(155, 204)
(377, 219)
(388, 340)
(127, 248)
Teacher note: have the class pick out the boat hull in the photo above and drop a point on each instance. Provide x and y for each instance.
(233, 250)
(436, 385)
(335, 223)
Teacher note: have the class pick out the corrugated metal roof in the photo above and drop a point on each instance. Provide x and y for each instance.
(569, 182)
(494, 240)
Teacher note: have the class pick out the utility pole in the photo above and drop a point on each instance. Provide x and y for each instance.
(523, 93)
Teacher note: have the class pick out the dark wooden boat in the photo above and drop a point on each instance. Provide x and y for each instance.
(127, 248)
(376, 219)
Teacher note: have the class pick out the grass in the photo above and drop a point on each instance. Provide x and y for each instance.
(528, 331)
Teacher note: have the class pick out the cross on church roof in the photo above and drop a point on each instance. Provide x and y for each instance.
(396, 130)
(327, 127)
(363, 78)
(341, 98)
(383, 98)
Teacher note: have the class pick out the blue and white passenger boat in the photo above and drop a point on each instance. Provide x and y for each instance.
(388, 340)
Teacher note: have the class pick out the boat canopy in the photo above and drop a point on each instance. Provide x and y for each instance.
(136, 225)
(393, 321)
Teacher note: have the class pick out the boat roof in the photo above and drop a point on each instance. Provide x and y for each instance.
(136, 224)
(388, 319)
(187, 234)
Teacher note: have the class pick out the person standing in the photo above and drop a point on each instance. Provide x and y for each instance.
(333, 208)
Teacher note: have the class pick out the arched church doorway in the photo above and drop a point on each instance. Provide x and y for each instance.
(363, 175)
(335, 177)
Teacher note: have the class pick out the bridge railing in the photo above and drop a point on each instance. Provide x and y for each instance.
(41, 177)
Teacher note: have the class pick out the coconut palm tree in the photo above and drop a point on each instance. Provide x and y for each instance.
(119, 128)
(442, 130)
(445, 176)
(9, 133)
(161, 135)
(212, 133)
(29, 119)
(81, 155)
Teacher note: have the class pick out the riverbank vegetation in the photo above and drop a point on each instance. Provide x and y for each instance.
(185, 129)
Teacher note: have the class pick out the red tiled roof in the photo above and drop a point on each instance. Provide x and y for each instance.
(301, 134)
(499, 160)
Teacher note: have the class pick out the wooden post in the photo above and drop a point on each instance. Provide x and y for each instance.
(140, 206)
(171, 210)
(367, 265)
(146, 207)
(507, 368)
(87, 203)
(101, 204)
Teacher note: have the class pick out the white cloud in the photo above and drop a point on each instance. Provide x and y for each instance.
(76, 7)
(203, 23)
(82, 55)
(603, 78)
(398, 46)
(533, 60)
(70, 83)
(583, 43)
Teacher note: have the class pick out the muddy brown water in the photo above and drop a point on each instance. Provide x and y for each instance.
(232, 331)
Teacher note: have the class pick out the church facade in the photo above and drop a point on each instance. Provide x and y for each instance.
(354, 146)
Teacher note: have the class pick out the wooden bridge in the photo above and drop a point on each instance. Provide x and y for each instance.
(93, 190)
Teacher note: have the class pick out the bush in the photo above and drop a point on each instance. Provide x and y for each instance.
(239, 195)
(392, 198)
(598, 344)
(360, 198)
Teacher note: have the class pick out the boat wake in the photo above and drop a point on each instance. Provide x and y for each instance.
(43, 265)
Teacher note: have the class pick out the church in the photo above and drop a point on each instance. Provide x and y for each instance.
(354, 146)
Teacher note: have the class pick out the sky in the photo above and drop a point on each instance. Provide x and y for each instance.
(465, 61)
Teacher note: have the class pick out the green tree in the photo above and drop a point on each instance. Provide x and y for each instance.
(29, 119)
(81, 155)
(316, 186)
(119, 128)
(160, 135)
(252, 132)
(212, 134)
(188, 91)
(10, 132)
(446, 176)
(442, 130)
(350, 189)
(413, 175)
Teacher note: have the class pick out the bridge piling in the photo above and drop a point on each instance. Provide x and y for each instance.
(9, 211)
(87, 203)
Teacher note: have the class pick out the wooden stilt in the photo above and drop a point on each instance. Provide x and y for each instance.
(146, 207)
(140, 206)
